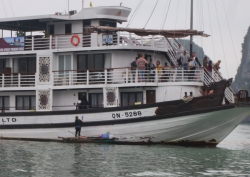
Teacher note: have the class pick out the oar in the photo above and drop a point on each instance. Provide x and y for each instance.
(71, 132)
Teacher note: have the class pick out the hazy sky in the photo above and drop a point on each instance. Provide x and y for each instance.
(209, 15)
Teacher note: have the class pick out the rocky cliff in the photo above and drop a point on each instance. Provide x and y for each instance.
(242, 78)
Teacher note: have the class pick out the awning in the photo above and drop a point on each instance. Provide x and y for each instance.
(146, 32)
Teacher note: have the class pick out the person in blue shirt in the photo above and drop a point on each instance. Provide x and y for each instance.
(78, 126)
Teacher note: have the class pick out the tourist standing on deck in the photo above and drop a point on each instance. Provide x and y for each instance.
(193, 63)
(210, 67)
(159, 70)
(179, 52)
(205, 62)
(151, 67)
(185, 58)
(141, 64)
(133, 69)
(78, 126)
(217, 65)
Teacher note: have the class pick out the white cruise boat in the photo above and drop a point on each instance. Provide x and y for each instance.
(85, 54)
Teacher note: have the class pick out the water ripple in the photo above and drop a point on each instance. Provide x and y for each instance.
(22, 159)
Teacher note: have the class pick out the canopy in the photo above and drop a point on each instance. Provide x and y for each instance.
(146, 32)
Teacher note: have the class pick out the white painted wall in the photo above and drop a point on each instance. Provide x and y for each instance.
(59, 28)
(77, 27)
(68, 98)
(169, 93)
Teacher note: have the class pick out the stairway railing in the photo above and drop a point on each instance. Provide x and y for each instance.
(216, 77)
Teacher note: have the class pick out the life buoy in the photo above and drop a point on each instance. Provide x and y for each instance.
(73, 41)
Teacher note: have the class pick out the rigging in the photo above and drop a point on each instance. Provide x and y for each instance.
(135, 12)
(151, 13)
(230, 32)
(221, 37)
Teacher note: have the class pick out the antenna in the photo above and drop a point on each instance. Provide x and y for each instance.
(82, 4)
(68, 8)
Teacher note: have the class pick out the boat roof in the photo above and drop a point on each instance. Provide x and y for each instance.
(39, 22)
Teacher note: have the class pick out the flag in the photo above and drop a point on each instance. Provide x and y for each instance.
(90, 4)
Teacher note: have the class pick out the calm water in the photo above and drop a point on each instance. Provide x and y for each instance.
(24, 159)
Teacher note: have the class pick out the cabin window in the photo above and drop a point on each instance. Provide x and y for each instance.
(52, 29)
(68, 29)
(64, 63)
(91, 61)
(24, 65)
(86, 23)
(96, 100)
(108, 23)
(4, 102)
(25, 102)
(2, 65)
(130, 98)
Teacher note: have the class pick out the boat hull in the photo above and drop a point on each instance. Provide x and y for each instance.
(202, 127)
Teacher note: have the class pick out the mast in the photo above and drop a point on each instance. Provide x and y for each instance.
(191, 27)
(82, 4)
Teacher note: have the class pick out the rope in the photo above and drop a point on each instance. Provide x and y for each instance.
(11, 8)
(230, 33)
(221, 37)
(4, 8)
(211, 29)
(188, 98)
(164, 22)
(151, 13)
(135, 12)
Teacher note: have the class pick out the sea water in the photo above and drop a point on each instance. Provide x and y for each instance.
(42, 159)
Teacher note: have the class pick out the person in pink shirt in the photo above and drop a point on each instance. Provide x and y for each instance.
(141, 64)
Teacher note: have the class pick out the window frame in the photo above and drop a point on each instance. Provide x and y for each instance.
(94, 62)
(90, 100)
(3, 61)
(30, 106)
(128, 104)
(68, 26)
(3, 103)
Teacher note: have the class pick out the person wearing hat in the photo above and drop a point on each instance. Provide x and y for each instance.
(78, 126)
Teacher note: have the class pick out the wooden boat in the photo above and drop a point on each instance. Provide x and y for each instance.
(84, 139)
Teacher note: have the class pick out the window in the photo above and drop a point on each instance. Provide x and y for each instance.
(91, 61)
(25, 102)
(86, 23)
(130, 98)
(52, 29)
(108, 23)
(24, 65)
(64, 63)
(96, 100)
(4, 102)
(67, 28)
(2, 65)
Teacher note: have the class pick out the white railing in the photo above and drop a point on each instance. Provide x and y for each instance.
(216, 77)
(17, 80)
(40, 43)
(126, 76)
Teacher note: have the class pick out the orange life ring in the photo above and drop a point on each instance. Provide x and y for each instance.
(73, 42)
